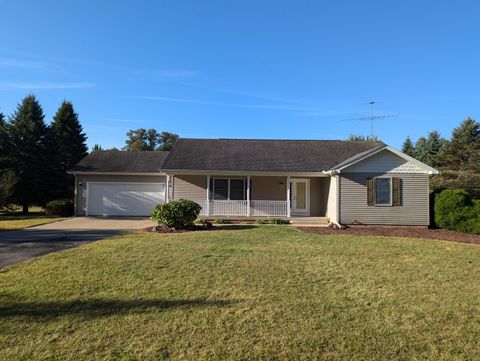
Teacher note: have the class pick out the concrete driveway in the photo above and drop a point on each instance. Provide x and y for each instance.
(18, 246)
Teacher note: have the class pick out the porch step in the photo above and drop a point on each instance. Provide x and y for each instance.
(310, 221)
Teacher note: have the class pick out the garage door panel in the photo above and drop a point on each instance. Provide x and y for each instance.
(124, 199)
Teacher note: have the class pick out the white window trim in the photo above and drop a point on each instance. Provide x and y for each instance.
(228, 189)
(375, 192)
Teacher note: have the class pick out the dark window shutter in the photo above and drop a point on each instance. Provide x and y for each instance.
(397, 191)
(370, 188)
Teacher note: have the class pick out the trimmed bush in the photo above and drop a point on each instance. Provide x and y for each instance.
(455, 210)
(60, 208)
(220, 220)
(277, 221)
(176, 214)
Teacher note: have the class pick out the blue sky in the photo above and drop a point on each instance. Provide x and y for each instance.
(245, 69)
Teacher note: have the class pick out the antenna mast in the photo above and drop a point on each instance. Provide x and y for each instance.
(372, 118)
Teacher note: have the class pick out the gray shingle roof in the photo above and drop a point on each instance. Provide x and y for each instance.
(253, 155)
(114, 161)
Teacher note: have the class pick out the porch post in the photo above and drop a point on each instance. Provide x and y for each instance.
(288, 197)
(208, 196)
(248, 197)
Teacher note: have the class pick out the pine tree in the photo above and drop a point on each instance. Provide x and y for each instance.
(69, 143)
(463, 150)
(3, 142)
(28, 153)
(434, 146)
(421, 149)
(96, 147)
(408, 147)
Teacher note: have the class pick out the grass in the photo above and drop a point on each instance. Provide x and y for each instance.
(13, 220)
(244, 292)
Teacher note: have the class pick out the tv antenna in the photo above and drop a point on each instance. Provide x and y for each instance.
(372, 118)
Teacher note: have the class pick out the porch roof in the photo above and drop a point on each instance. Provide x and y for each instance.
(255, 155)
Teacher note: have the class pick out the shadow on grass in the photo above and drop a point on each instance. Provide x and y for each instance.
(232, 227)
(99, 307)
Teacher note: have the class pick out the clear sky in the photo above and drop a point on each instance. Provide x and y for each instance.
(245, 69)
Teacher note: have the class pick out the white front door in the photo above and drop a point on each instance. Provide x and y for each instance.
(301, 196)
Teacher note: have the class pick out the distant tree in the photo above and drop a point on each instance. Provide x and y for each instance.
(7, 182)
(69, 142)
(96, 147)
(436, 145)
(408, 147)
(3, 141)
(421, 149)
(463, 150)
(165, 140)
(362, 138)
(143, 139)
(28, 153)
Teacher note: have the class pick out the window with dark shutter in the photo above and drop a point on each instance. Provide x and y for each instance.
(370, 187)
(397, 191)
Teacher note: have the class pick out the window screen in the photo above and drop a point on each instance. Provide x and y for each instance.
(221, 189)
(237, 189)
(383, 191)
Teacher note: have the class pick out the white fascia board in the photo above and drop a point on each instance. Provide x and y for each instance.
(117, 173)
(243, 173)
(425, 167)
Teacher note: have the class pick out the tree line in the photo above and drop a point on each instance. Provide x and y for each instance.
(145, 140)
(35, 156)
(457, 158)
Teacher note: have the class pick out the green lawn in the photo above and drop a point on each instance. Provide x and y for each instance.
(268, 292)
(13, 221)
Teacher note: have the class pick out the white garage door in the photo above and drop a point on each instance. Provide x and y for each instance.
(124, 199)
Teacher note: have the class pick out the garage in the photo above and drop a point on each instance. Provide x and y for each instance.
(123, 198)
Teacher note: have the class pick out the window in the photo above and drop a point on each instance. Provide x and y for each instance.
(229, 189)
(237, 189)
(220, 189)
(383, 191)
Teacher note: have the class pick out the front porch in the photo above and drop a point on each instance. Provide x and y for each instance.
(255, 196)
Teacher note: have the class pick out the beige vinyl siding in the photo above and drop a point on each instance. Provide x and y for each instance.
(192, 187)
(385, 162)
(269, 188)
(81, 190)
(414, 208)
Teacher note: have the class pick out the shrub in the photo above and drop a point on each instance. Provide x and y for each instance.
(259, 221)
(455, 210)
(220, 220)
(60, 207)
(176, 214)
(277, 221)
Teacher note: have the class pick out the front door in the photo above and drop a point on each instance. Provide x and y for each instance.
(300, 196)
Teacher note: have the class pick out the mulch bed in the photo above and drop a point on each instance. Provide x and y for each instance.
(163, 229)
(411, 232)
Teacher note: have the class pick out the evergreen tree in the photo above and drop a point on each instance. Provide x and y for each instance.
(421, 149)
(96, 147)
(408, 147)
(433, 148)
(3, 142)
(29, 154)
(463, 150)
(69, 146)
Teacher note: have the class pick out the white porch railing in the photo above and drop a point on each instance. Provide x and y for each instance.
(228, 208)
(268, 208)
(258, 208)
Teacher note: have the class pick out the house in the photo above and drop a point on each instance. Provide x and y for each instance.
(347, 182)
